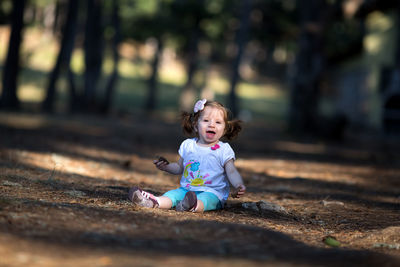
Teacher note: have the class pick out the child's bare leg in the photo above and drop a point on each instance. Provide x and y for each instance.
(164, 202)
(200, 206)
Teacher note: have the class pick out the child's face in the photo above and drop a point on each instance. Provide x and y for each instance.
(210, 125)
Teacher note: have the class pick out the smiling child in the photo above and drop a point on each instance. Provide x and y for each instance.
(206, 163)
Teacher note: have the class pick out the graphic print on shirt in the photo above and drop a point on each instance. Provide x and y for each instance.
(193, 175)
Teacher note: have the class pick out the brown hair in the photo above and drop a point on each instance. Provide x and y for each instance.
(189, 121)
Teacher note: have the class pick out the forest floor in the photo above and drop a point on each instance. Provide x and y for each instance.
(64, 184)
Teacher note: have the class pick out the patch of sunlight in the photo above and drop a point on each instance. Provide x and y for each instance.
(39, 49)
(306, 175)
(173, 74)
(22, 121)
(379, 42)
(218, 85)
(289, 169)
(248, 90)
(373, 43)
(4, 37)
(77, 62)
(55, 163)
(30, 93)
(89, 152)
(108, 65)
(378, 21)
(127, 69)
(42, 59)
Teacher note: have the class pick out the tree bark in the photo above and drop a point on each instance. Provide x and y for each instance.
(188, 93)
(152, 83)
(110, 86)
(308, 67)
(64, 56)
(391, 92)
(241, 39)
(93, 53)
(9, 98)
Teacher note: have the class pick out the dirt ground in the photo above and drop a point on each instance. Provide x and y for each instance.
(64, 184)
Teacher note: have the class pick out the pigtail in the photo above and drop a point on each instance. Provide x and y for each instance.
(187, 123)
(232, 129)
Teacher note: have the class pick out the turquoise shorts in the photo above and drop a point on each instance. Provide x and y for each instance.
(210, 200)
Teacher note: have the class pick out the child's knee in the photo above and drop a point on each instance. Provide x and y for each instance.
(199, 206)
(165, 202)
(209, 201)
(175, 195)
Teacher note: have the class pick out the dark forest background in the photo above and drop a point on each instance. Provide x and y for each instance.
(315, 66)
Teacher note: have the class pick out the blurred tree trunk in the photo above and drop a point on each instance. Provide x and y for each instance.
(241, 39)
(188, 94)
(64, 55)
(9, 98)
(57, 15)
(111, 83)
(307, 68)
(93, 53)
(391, 88)
(152, 83)
(188, 91)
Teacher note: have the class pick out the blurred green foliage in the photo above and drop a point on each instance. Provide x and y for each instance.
(272, 43)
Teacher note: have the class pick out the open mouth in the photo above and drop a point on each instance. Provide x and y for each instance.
(210, 134)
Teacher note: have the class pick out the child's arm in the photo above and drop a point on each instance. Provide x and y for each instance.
(235, 179)
(173, 168)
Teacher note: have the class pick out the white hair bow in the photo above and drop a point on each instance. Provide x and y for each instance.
(199, 105)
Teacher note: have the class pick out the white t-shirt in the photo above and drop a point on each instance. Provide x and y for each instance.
(204, 168)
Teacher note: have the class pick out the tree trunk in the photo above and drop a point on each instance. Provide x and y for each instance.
(391, 92)
(64, 56)
(241, 39)
(93, 53)
(74, 98)
(110, 86)
(308, 67)
(152, 83)
(9, 98)
(188, 93)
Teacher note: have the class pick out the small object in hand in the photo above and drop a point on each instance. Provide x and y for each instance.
(234, 193)
(331, 241)
(160, 158)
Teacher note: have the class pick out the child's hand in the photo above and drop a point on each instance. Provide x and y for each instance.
(239, 191)
(161, 163)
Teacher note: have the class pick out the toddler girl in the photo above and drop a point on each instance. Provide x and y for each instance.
(206, 163)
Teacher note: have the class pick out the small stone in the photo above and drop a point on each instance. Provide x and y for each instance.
(8, 183)
(332, 203)
(250, 206)
(75, 193)
(267, 206)
(385, 245)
